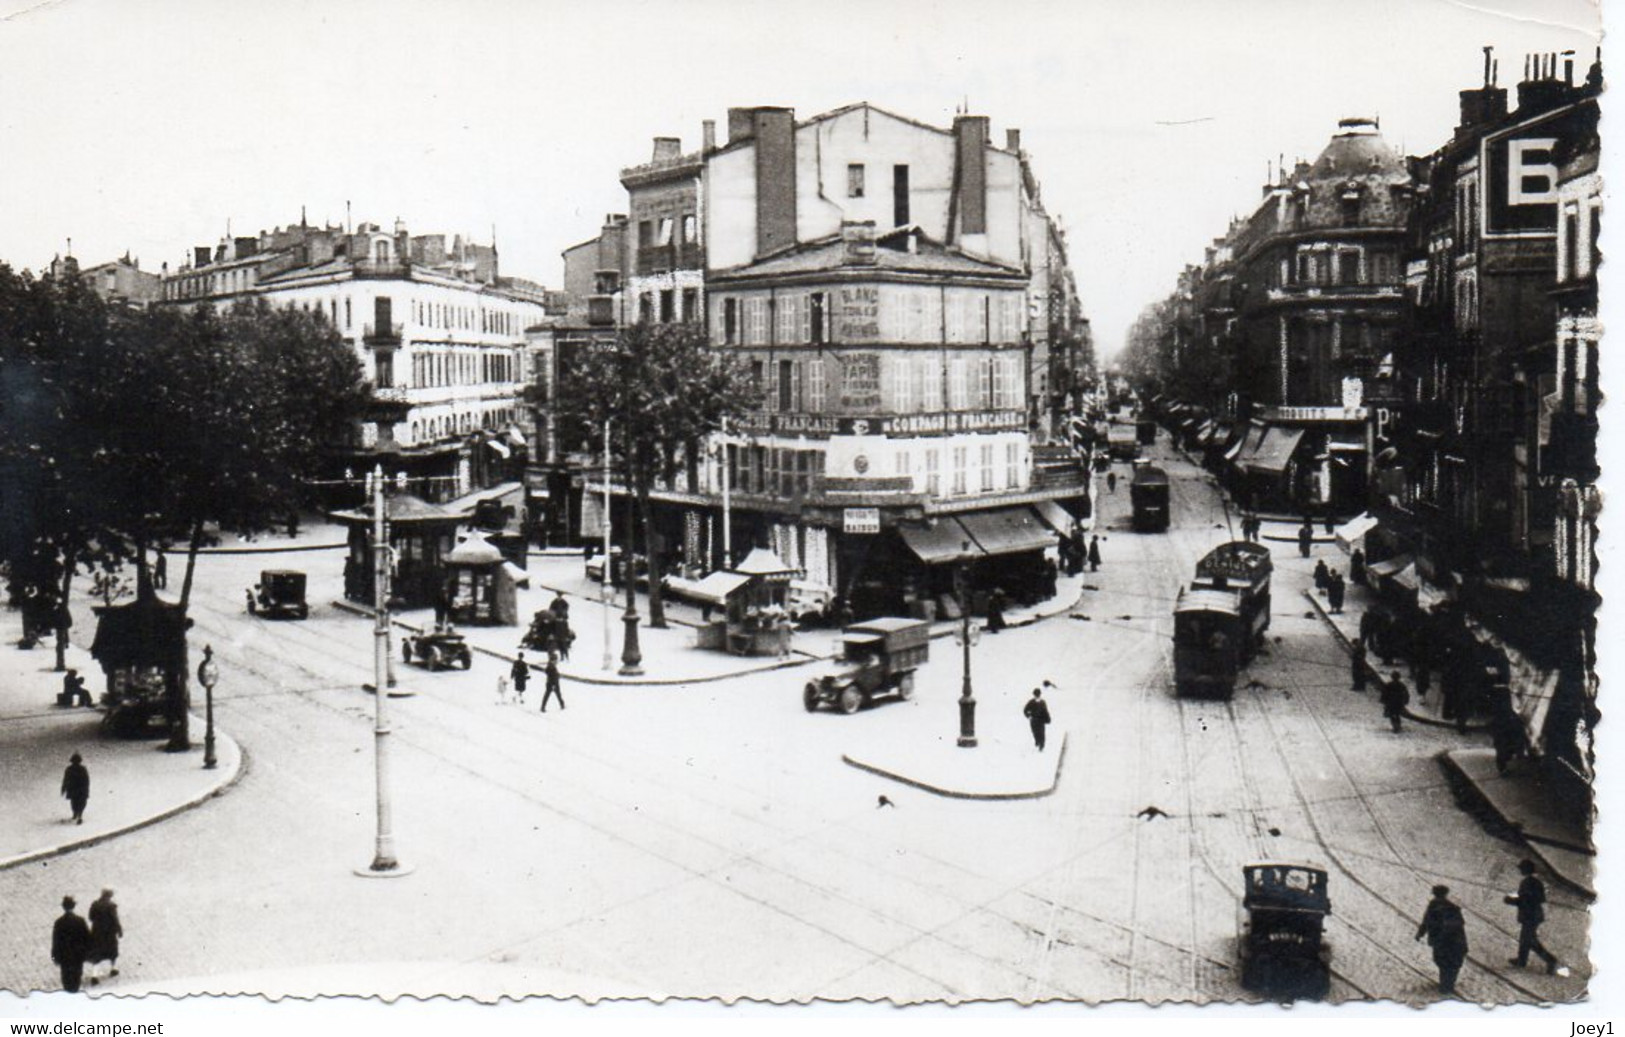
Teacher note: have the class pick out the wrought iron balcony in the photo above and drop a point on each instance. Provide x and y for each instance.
(382, 334)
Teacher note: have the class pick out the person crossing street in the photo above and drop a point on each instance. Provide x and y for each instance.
(1446, 933)
(1037, 713)
(551, 688)
(1530, 900)
(521, 677)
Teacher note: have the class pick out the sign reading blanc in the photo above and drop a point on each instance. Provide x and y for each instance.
(857, 315)
(1520, 172)
(860, 381)
(860, 520)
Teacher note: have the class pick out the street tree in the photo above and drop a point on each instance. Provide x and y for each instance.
(664, 389)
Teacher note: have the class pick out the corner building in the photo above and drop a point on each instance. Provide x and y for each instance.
(872, 273)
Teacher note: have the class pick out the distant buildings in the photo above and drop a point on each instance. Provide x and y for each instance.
(441, 337)
(1436, 317)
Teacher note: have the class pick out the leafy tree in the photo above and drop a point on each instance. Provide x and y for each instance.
(122, 431)
(664, 389)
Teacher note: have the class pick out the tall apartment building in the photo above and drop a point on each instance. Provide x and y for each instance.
(441, 337)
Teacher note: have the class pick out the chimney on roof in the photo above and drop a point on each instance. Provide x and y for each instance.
(201, 254)
(741, 124)
(774, 130)
(859, 239)
(1012, 140)
(708, 136)
(970, 173)
(1540, 90)
(667, 149)
(1568, 68)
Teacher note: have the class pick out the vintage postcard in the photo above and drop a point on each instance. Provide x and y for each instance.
(907, 502)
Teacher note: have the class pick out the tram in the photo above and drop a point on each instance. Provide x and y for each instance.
(1220, 620)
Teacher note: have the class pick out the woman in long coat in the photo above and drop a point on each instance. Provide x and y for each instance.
(105, 932)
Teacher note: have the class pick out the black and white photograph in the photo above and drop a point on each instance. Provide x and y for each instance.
(862, 505)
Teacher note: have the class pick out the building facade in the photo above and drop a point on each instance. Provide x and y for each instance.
(440, 334)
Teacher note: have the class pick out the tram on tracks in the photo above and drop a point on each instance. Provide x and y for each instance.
(1221, 618)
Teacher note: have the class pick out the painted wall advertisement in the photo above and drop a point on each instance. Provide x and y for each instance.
(857, 314)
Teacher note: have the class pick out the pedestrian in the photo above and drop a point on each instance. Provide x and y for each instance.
(293, 524)
(996, 603)
(1530, 900)
(502, 689)
(1506, 731)
(442, 610)
(1329, 523)
(552, 688)
(1306, 538)
(1446, 931)
(1336, 588)
(76, 787)
(1395, 697)
(1323, 576)
(1037, 713)
(160, 572)
(1111, 482)
(521, 677)
(1357, 666)
(105, 933)
(1357, 567)
(70, 942)
(1421, 672)
(1368, 627)
(1094, 554)
(559, 607)
(74, 692)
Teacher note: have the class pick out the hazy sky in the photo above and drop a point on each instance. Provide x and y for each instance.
(146, 126)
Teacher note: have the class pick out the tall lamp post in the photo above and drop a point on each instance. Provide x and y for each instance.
(384, 862)
(631, 654)
(603, 589)
(969, 634)
(207, 674)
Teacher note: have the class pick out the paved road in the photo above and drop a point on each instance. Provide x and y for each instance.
(708, 841)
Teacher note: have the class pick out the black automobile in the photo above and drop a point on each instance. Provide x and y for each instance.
(280, 594)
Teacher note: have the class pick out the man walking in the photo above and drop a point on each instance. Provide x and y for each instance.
(1446, 931)
(1306, 537)
(70, 942)
(1357, 666)
(1037, 713)
(76, 787)
(1395, 698)
(1530, 900)
(1111, 482)
(1094, 554)
(105, 933)
(521, 677)
(160, 572)
(552, 687)
(1336, 588)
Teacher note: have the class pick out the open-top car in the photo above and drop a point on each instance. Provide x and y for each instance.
(439, 650)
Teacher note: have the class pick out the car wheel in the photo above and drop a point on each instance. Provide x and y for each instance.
(431, 658)
(905, 686)
(851, 699)
(468, 660)
(809, 697)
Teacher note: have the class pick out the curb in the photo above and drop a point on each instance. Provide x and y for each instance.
(259, 550)
(64, 848)
(1375, 675)
(1055, 782)
(1464, 785)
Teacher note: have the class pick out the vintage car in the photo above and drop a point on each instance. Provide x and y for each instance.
(878, 659)
(439, 650)
(280, 594)
(1282, 939)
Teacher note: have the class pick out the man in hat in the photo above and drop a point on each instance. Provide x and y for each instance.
(1446, 931)
(1394, 697)
(521, 677)
(551, 689)
(70, 942)
(76, 787)
(1037, 713)
(1530, 900)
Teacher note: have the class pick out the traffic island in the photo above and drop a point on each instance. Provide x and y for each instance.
(996, 768)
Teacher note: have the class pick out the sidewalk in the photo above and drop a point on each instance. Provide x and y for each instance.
(1516, 800)
(133, 783)
(993, 769)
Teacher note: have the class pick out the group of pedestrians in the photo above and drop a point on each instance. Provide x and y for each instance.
(1331, 583)
(77, 943)
(519, 674)
(1252, 528)
(1446, 929)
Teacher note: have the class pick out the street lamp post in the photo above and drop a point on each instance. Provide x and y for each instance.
(631, 655)
(207, 674)
(967, 701)
(603, 590)
(384, 863)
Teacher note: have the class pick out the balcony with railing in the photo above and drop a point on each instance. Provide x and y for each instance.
(380, 334)
(1335, 293)
(659, 259)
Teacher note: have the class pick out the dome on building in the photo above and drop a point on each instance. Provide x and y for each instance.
(1358, 181)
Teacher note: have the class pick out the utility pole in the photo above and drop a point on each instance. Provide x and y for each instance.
(384, 862)
(603, 591)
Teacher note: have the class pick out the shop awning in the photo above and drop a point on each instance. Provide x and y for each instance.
(1345, 445)
(1056, 517)
(1204, 432)
(498, 447)
(1389, 566)
(1351, 534)
(520, 577)
(1407, 578)
(1246, 444)
(1008, 531)
(1275, 450)
(713, 589)
(946, 541)
(516, 437)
